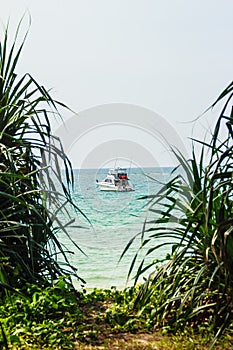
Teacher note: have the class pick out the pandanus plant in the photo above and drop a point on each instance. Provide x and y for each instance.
(30, 168)
(193, 212)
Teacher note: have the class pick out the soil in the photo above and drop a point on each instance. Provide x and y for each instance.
(97, 334)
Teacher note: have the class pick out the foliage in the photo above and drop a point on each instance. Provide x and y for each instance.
(56, 317)
(193, 213)
(41, 317)
(32, 189)
(118, 311)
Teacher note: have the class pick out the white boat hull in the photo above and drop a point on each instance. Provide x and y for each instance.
(109, 187)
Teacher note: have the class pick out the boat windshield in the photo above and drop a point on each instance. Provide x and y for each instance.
(117, 171)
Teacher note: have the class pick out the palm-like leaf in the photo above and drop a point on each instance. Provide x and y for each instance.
(195, 210)
(29, 168)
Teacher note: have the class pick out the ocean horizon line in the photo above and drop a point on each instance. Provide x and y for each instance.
(165, 169)
(128, 168)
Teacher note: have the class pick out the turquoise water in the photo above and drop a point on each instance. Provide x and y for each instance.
(115, 218)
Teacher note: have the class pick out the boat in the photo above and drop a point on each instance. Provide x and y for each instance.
(116, 180)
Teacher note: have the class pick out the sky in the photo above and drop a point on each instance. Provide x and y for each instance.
(160, 64)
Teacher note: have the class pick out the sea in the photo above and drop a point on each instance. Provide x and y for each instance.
(106, 223)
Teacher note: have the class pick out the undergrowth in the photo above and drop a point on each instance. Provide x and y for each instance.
(57, 317)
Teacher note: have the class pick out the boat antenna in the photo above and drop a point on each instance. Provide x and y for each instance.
(115, 163)
(130, 165)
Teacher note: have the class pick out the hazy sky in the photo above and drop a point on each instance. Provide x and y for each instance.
(171, 57)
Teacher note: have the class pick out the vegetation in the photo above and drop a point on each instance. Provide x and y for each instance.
(188, 293)
(57, 318)
(193, 211)
(40, 317)
(30, 158)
